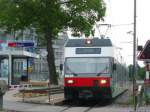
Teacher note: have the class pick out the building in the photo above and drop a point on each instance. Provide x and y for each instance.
(37, 68)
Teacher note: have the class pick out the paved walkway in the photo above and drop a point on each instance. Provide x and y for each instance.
(10, 96)
(16, 103)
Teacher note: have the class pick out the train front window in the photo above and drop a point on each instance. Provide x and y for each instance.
(87, 66)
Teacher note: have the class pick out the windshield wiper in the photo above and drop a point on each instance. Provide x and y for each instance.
(75, 74)
(100, 73)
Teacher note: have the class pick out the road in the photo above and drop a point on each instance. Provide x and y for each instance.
(26, 107)
(15, 104)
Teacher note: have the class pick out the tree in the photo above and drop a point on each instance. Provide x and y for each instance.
(49, 17)
(130, 67)
(141, 73)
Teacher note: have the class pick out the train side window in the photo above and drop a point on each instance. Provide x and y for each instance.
(111, 75)
(114, 67)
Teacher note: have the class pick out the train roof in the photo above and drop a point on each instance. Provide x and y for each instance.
(96, 42)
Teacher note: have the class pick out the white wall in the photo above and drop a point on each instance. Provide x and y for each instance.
(105, 52)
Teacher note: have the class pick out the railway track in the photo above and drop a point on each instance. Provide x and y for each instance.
(88, 105)
(79, 106)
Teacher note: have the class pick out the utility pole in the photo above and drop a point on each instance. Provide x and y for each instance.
(134, 57)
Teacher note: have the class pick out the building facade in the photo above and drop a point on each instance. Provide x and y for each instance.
(37, 68)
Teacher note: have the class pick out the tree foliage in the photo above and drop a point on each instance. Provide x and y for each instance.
(130, 67)
(141, 73)
(49, 17)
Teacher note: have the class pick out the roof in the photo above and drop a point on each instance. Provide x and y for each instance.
(18, 54)
(145, 53)
(96, 42)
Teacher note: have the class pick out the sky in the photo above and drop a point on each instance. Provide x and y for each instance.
(120, 15)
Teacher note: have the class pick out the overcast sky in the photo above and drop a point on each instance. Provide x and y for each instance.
(120, 12)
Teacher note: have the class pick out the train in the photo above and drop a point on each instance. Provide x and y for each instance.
(93, 69)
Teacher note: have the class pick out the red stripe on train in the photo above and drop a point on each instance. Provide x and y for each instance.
(87, 82)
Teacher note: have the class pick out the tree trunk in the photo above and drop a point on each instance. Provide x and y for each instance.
(51, 59)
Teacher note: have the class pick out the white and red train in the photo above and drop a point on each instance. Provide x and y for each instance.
(93, 68)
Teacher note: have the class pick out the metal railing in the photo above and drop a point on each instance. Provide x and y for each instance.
(47, 91)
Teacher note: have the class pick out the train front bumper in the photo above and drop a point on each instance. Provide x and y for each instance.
(87, 93)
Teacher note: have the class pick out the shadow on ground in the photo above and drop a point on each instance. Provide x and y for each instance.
(84, 103)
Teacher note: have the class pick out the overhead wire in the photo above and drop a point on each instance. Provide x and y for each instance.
(109, 26)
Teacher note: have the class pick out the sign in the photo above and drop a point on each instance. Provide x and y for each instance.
(20, 44)
(145, 53)
(88, 50)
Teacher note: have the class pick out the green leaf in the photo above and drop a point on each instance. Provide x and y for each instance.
(51, 16)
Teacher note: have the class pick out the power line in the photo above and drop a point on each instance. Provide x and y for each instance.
(114, 25)
(122, 25)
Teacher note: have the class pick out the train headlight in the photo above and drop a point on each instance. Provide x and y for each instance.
(103, 81)
(70, 81)
(88, 41)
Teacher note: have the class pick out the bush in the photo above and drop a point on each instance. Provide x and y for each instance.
(131, 101)
(145, 99)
